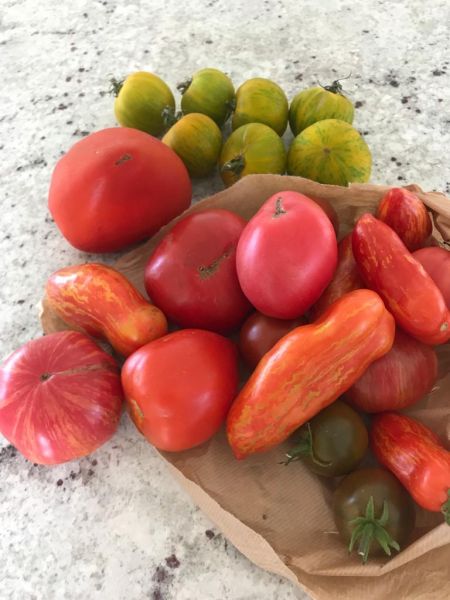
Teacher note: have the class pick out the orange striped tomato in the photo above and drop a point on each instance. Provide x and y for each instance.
(408, 291)
(416, 457)
(60, 397)
(307, 370)
(101, 302)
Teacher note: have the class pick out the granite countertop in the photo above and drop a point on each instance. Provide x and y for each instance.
(115, 525)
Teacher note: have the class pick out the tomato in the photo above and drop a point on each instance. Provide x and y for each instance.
(436, 262)
(179, 388)
(407, 215)
(416, 457)
(308, 369)
(191, 274)
(373, 512)
(116, 187)
(286, 255)
(398, 379)
(101, 302)
(60, 397)
(260, 100)
(408, 291)
(260, 333)
(332, 443)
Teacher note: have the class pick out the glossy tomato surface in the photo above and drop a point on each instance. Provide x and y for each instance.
(191, 275)
(60, 397)
(436, 262)
(286, 256)
(116, 187)
(260, 333)
(179, 388)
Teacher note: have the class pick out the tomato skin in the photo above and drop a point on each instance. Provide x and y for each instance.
(345, 279)
(260, 333)
(286, 255)
(101, 302)
(60, 397)
(415, 456)
(436, 262)
(408, 291)
(398, 379)
(179, 388)
(115, 187)
(307, 370)
(191, 274)
(407, 215)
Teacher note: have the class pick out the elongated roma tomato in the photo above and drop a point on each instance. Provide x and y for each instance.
(398, 379)
(286, 255)
(416, 457)
(408, 291)
(179, 388)
(436, 262)
(101, 302)
(407, 215)
(307, 370)
(60, 397)
(345, 279)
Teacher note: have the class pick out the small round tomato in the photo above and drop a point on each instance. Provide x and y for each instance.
(436, 262)
(260, 333)
(333, 443)
(191, 275)
(179, 388)
(373, 512)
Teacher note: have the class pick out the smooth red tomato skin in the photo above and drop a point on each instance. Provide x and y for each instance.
(191, 275)
(179, 388)
(409, 293)
(436, 262)
(116, 187)
(407, 215)
(286, 255)
(60, 397)
(260, 333)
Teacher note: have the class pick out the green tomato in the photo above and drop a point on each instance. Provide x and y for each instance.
(142, 100)
(197, 140)
(261, 100)
(209, 92)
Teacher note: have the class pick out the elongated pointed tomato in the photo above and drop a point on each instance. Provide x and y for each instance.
(307, 370)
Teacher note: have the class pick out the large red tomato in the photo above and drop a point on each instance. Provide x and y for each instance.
(286, 256)
(60, 397)
(179, 388)
(115, 187)
(436, 262)
(191, 275)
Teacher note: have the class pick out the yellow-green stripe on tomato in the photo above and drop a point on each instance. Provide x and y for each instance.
(261, 100)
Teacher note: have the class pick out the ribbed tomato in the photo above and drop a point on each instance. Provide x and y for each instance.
(60, 397)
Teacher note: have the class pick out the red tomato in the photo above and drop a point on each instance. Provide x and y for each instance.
(116, 187)
(179, 388)
(286, 255)
(60, 397)
(260, 333)
(191, 275)
(436, 262)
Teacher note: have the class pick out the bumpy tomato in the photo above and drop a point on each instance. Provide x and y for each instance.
(115, 187)
(179, 388)
(436, 262)
(286, 255)
(191, 275)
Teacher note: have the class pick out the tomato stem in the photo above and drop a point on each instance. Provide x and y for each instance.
(304, 448)
(115, 86)
(236, 165)
(279, 210)
(170, 117)
(45, 376)
(446, 508)
(183, 85)
(335, 87)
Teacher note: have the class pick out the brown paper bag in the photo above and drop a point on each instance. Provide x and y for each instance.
(280, 518)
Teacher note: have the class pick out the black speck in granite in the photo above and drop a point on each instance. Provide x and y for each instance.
(85, 15)
(398, 163)
(359, 103)
(209, 534)
(69, 78)
(7, 453)
(365, 31)
(393, 159)
(438, 72)
(82, 132)
(94, 462)
(299, 77)
(405, 99)
(208, 41)
(160, 575)
(400, 178)
(81, 69)
(394, 83)
(365, 132)
(418, 111)
(172, 562)
(157, 594)
(59, 482)
(81, 95)
(69, 122)
(21, 301)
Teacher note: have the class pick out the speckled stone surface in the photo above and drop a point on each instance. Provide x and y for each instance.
(116, 526)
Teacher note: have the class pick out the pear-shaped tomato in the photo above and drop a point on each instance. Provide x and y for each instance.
(209, 92)
(319, 103)
(260, 100)
(141, 100)
(330, 151)
(253, 148)
(197, 140)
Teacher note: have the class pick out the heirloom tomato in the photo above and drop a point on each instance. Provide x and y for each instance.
(436, 262)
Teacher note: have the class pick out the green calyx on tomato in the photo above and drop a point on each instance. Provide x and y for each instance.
(304, 448)
(236, 165)
(115, 86)
(368, 528)
(446, 509)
